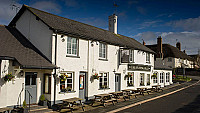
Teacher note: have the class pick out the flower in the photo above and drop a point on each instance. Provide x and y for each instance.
(8, 77)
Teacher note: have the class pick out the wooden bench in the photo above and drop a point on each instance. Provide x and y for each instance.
(110, 100)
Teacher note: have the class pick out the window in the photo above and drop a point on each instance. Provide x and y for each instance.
(67, 84)
(167, 77)
(47, 83)
(161, 77)
(131, 56)
(102, 50)
(169, 59)
(103, 80)
(130, 79)
(148, 79)
(148, 57)
(155, 78)
(141, 79)
(72, 45)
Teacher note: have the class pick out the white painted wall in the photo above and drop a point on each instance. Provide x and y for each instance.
(36, 32)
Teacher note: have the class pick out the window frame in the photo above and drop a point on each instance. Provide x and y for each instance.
(142, 79)
(130, 80)
(161, 77)
(66, 82)
(147, 57)
(102, 83)
(167, 77)
(148, 79)
(131, 55)
(155, 79)
(71, 47)
(101, 50)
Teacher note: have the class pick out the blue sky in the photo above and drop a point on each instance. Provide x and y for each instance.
(140, 19)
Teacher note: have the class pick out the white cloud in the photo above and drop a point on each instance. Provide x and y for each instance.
(190, 41)
(6, 11)
(191, 24)
(48, 6)
(149, 24)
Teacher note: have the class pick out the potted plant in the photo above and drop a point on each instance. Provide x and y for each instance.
(43, 101)
(148, 83)
(141, 84)
(68, 89)
(95, 76)
(25, 109)
(8, 77)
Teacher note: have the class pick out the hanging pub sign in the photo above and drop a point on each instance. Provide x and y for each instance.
(135, 67)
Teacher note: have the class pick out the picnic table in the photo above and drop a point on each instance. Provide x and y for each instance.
(141, 91)
(104, 98)
(6, 109)
(130, 92)
(157, 88)
(72, 103)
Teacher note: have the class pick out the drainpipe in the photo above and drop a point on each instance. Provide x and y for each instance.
(88, 68)
(54, 101)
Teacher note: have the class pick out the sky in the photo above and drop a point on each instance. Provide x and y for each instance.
(173, 20)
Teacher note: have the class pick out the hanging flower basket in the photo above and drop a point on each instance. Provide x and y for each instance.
(63, 77)
(8, 77)
(154, 75)
(95, 76)
(129, 75)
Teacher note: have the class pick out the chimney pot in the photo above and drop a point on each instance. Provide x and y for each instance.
(178, 45)
(159, 47)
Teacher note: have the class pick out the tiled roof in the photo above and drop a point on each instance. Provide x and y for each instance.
(81, 30)
(160, 66)
(14, 45)
(170, 51)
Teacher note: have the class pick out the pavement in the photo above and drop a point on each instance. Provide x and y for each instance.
(181, 98)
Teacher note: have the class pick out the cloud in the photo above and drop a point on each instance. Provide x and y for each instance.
(71, 3)
(141, 10)
(191, 24)
(98, 22)
(149, 24)
(48, 6)
(165, 15)
(7, 12)
(190, 41)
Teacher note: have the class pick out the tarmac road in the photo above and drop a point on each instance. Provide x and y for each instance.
(185, 101)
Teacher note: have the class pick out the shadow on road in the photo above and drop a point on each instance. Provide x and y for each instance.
(193, 107)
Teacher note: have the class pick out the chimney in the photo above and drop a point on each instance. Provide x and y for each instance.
(143, 42)
(178, 45)
(159, 47)
(113, 23)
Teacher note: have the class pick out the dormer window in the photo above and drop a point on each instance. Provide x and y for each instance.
(102, 50)
(72, 45)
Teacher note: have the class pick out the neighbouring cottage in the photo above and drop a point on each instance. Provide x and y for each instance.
(172, 56)
(85, 60)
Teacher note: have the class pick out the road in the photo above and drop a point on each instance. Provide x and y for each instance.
(185, 101)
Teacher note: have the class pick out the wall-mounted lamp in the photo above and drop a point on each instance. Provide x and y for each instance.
(21, 73)
(114, 71)
(62, 36)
